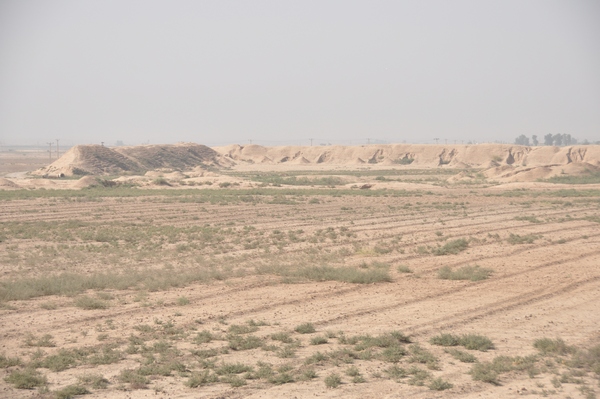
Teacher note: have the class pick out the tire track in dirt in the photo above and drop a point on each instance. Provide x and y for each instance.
(291, 250)
(354, 289)
(504, 255)
(512, 303)
(452, 291)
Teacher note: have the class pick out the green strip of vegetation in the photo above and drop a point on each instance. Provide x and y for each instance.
(591, 178)
(199, 195)
(70, 284)
(329, 273)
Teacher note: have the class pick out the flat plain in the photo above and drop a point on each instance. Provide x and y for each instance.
(282, 288)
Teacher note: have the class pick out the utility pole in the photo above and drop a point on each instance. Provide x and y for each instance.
(311, 142)
(368, 141)
(57, 151)
(50, 151)
(436, 140)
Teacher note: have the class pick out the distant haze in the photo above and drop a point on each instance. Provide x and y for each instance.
(283, 72)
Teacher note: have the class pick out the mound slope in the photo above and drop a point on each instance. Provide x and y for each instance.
(99, 160)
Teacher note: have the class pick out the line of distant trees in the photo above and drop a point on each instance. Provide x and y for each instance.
(557, 139)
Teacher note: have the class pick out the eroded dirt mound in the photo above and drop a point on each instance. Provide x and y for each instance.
(415, 155)
(90, 160)
(179, 156)
(524, 173)
(99, 160)
(86, 181)
(8, 184)
(503, 163)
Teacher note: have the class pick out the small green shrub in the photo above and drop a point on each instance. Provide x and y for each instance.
(282, 337)
(552, 346)
(418, 354)
(473, 273)
(71, 391)
(89, 303)
(258, 323)
(515, 239)
(352, 371)
(437, 384)
(445, 340)
(63, 360)
(452, 247)
(240, 343)
(489, 371)
(203, 337)
(418, 376)
(201, 378)
(134, 379)
(9, 361)
(531, 219)
(44, 341)
(95, 381)
(333, 380)
(281, 378)
(242, 329)
(395, 372)
(206, 353)
(319, 340)
(233, 368)
(265, 370)
(476, 342)
(469, 341)
(393, 354)
(108, 355)
(305, 328)
(462, 356)
(404, 269)
(49, 305)
(182, 301)
(287, 352)
(234, 380)
(316, 358)
(26, 379)
(344, 274)
(588, 359)
(308, 374)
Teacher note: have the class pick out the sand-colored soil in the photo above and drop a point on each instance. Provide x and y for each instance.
(540, 240)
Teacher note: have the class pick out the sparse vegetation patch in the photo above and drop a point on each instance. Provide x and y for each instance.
(472, 273)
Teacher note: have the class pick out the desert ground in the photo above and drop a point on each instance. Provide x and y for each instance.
(286, 273)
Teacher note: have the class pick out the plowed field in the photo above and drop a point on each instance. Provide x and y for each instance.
(272, 293)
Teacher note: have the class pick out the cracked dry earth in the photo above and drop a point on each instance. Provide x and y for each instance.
(220, 289)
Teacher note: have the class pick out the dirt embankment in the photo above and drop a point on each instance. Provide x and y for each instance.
(502, 163)
(100, 160)
(422, 155)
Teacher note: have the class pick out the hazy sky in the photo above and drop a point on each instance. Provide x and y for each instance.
(282, 72)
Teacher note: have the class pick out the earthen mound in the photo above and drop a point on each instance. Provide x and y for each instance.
(176, 157)
(100, 160)
(8, 184)
(86, 182)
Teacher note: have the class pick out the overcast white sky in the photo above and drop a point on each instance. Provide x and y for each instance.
(282, 72)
